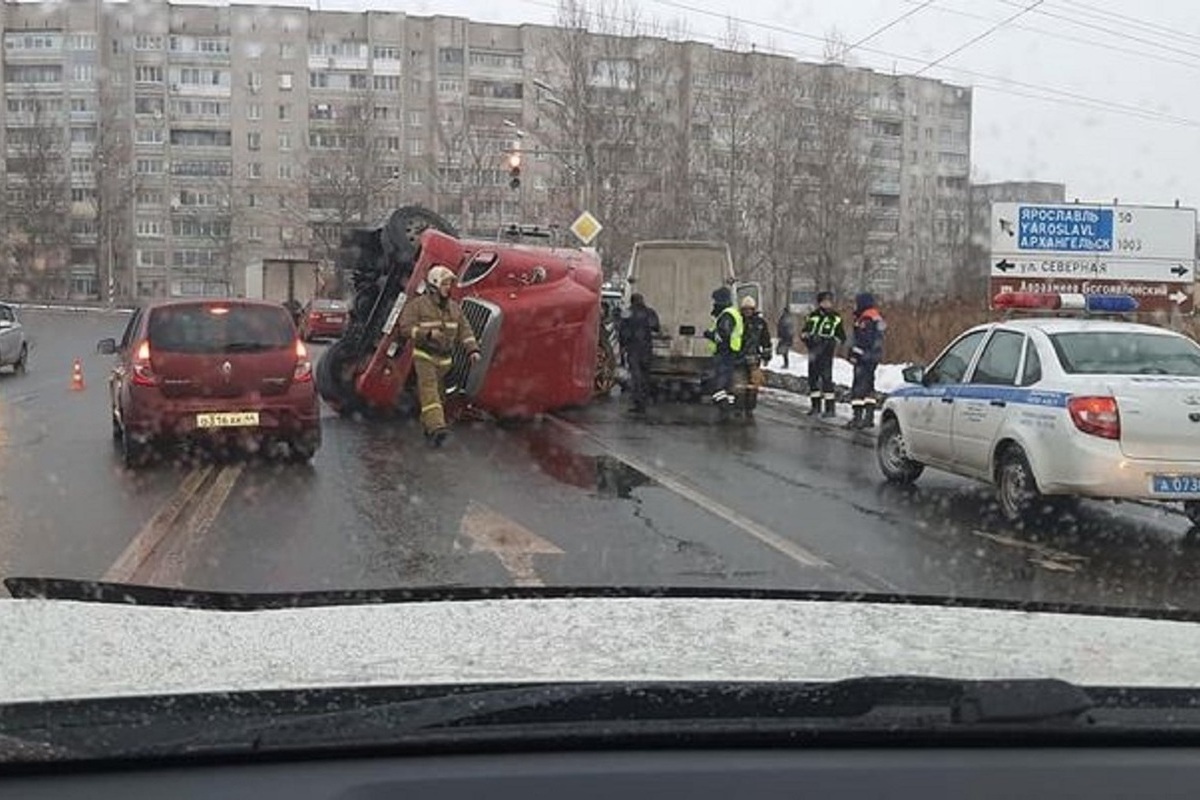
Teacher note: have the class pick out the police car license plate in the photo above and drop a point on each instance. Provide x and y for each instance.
(236, 419)
(1175, 484)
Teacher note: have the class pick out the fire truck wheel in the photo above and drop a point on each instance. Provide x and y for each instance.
(335, 379)
(606, 368)
(404, 228)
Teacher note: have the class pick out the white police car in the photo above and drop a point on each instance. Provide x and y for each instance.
(1054, 406)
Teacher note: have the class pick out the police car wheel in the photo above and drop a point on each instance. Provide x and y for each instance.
(892, 454)
(1016, 490)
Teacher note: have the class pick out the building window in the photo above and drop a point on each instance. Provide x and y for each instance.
(382, 112)
(416, 119)
(148, 74)
(387, 52)
(415, 147)
(285, 172)
(285, 81)
(254, 233)
(150, 228)
(149, 197)
(285, 112)
(254, 169)
(149, 166)
(285, 141)
(144, 42)
(387, 83)
(149, 136)
(254, 79)
(254, 140)
(254, 111)
(287, 50)
(83, 73)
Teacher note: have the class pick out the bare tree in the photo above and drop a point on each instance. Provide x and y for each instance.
(116, 189)
(837, 174)
(610, 124)
(38, 197)
(349, 174)
(469, 169)
(728, 107)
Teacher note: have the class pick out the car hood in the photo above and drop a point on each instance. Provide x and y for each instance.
(56, 649)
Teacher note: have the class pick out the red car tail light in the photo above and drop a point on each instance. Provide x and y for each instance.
(1097, 416)
(303, 364)
(143, 375)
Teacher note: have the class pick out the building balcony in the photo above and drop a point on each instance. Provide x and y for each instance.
(201, 90)
(338, 63)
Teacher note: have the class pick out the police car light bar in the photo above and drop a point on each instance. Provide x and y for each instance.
(1038, 301)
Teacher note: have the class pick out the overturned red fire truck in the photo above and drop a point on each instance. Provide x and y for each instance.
(535, 310)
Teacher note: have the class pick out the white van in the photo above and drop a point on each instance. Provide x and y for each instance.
(677, 278)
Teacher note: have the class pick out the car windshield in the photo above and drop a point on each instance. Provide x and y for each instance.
(206, 328)
(444, 300)
(1125, 353)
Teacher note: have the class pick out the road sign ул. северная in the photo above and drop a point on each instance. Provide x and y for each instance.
(1144, 251)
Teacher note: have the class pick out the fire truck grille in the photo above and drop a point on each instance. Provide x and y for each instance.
(484, 318)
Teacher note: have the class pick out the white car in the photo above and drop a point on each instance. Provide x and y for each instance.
(1054, 407)
(14, 349)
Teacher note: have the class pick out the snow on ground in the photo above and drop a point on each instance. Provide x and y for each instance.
(888, 377)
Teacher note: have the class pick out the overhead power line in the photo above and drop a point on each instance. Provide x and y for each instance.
(889, 25)
(1005, 85)
(1125, 19)
(980, 37)
(1120, 34)
(1066, 37)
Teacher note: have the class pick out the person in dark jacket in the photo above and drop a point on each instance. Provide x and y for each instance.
(756, 350)
(786, 329)
(823, 333)
(725, 338)
(638, 325)
(867, 352)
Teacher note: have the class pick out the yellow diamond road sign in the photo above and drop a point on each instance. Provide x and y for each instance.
(586, 227)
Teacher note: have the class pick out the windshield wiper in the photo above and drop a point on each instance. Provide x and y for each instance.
(890, 706)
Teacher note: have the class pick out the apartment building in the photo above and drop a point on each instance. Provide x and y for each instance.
(198, 139)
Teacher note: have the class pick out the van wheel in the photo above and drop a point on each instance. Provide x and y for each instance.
(1016, 489)
(22, 363)
(892, 454)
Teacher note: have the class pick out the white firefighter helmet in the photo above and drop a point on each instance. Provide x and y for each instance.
(439, 278)
(748, 303)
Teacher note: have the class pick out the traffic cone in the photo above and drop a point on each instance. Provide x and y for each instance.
(77, 384)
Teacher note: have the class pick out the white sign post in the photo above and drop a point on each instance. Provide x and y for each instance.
(1145, 251)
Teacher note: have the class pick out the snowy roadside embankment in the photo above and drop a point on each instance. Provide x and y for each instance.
(794, 378)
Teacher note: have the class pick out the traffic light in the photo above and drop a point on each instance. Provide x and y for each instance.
(514, 170)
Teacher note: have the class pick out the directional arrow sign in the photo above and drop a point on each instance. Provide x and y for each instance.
(1145, 251)
(513, 544)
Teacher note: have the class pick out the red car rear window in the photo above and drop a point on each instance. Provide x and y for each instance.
(211, 328)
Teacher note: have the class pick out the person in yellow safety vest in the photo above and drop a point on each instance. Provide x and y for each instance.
(435, 323)
(725, 344)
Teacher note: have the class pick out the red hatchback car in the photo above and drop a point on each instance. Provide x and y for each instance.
(216, 371)
(324, 319)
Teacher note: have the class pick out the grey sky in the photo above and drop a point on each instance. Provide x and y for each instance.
(1058, 90)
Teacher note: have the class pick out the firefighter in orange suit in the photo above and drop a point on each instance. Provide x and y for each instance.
(435, 323)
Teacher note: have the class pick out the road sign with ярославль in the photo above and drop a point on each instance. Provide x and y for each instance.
(1144, 251)
(586, 228)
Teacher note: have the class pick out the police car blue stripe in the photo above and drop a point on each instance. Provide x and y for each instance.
(1009, 394)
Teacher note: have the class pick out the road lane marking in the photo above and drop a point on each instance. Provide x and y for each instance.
(152, 534)
(770, 538)
(513, 544)
(170, 567)
(1040, 555)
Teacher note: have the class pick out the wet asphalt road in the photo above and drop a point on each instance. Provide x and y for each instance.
(584, 498)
